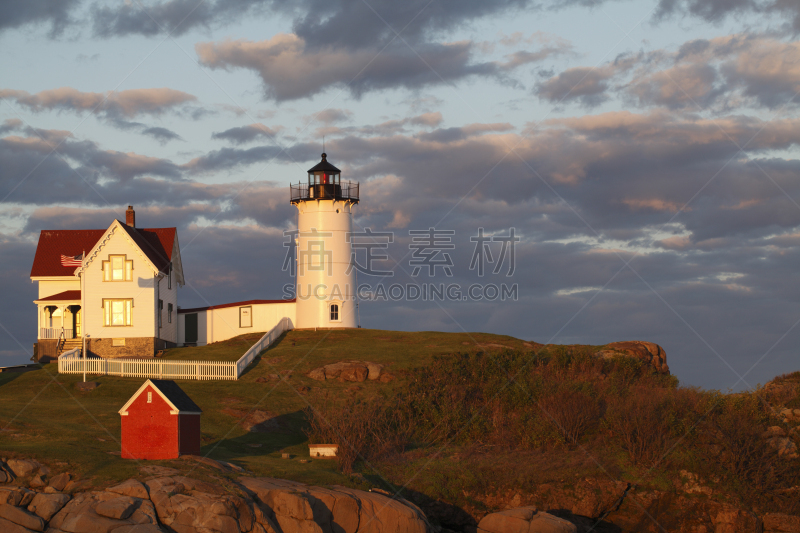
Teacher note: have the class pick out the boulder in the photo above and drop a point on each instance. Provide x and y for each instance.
(7, 526)
(18, 496)
(184, 505)
(38, 481)
(781, 523)
(132, 488)
(290, 506)
(80, 515)
(23, 467)
(60, 481)
(374, 370)
(21, 517)
(118, 508)
(46, 506)
(524, 520)
(648, 352)
(354, 372)
(317, 374)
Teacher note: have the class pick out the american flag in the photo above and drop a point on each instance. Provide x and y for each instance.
(69, 261)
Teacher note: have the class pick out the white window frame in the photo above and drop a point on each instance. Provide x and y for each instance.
(169, 313)
(126, 271)
(337, 312)
(108, 312)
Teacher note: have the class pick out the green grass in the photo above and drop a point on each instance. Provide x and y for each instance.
(43, 416)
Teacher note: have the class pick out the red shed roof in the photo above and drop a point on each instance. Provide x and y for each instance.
(156, 243)
(236, 304)
(171, 393)
(74, 295)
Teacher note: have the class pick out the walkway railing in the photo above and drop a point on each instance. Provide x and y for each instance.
(71, 362)
(284, 324)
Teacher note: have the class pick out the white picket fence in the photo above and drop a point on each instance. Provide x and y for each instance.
(71, 362)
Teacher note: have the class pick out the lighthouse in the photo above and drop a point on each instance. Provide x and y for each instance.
(326, 280)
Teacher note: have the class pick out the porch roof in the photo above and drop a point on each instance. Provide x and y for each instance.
(73, 296)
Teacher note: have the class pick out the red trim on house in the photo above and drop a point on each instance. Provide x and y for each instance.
(66, 296)
(236, 304)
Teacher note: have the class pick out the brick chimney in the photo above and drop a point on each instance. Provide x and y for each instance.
(130, 217)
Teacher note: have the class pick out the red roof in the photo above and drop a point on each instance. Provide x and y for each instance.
(156, 243)
(73, 295)
(236, 304)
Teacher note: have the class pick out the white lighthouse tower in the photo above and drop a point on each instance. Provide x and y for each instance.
(326, 283)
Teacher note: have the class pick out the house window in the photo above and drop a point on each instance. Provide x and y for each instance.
(335, 312)
(169, 276)
(149, 397)
(117, 312)
(160, 311)
(117, 268)
(169, 313)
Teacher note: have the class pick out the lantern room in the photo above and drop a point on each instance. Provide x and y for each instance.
(324, 183)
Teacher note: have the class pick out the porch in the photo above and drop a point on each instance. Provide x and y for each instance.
(60, 316)
(59, 324)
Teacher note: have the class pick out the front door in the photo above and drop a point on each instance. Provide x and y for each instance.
(190, 324)
(78, 323)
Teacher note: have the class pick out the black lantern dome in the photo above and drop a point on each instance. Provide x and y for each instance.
(324, 183)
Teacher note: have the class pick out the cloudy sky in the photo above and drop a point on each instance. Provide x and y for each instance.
(645, 153)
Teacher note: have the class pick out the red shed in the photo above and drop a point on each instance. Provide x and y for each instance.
(160, 422)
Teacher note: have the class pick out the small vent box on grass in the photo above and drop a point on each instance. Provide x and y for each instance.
(323, 450)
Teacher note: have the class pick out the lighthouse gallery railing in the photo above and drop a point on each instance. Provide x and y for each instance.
(71, 362)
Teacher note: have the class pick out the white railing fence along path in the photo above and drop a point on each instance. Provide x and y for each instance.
(284, 324)
(71, 362)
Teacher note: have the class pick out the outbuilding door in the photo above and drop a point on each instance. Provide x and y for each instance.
(190, 323)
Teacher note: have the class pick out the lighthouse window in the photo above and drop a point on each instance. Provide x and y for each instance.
(334, 312)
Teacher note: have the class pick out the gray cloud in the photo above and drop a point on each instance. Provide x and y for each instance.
(292, 69)
(733, 71)
(18, 14)
(122, 104)
(162, 135)
(585, 85)
(245, 134)
(717, 10)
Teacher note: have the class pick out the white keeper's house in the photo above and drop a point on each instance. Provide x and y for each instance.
(115, 290)
(118, 287)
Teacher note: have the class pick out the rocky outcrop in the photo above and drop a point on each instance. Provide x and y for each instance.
(291, 506)
(648, 352)
(524, 520)
(357, 371)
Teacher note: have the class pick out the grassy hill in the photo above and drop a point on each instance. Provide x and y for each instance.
(470, 421)
(43, 416)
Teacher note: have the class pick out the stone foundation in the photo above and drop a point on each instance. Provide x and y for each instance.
(134, 347)
(46, 350)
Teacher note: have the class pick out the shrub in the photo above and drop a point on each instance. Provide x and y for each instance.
(363, 429)
(640, 423)
(572, 412)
